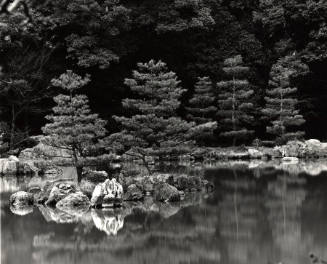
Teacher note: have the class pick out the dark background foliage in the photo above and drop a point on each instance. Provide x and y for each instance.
(107, 38)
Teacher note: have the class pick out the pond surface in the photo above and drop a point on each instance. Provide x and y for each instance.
(253, 216)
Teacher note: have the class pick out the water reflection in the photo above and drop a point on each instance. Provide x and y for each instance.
(254, 216)
(107, 221)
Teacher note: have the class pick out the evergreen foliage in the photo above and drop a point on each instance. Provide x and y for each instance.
(154, 128)
(3, 145)
(72, 125)
(281, 102)
(235, 106)
(106, 38)
(202, 107)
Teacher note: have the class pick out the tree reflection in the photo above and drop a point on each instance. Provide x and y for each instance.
(276, 217)
(284, 200)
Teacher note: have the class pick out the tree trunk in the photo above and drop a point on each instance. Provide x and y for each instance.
(79, 170)
(79, 167)
(146, 165)
(13, 128)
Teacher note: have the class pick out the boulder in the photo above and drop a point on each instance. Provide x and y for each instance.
(73, 201)
(60, 191)
(255, 154)
(21, 199)
(87, 187)
(187, 183)
(315, 148)
(40, 197)
(35, 184)
(163, 192)
(133, 193)
(110, 190)
(293, 148)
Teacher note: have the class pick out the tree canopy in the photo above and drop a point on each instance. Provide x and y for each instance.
(106, 39)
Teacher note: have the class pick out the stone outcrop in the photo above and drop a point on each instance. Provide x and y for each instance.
(44, 151)
(87, 187)
(255, 153)
(21, 203)
(186, 183)
(311, 148)
(60, 191)
(315, 148)
(21, 198)
(133, 193)
(107, 192)
(74, 201)
(163, 192)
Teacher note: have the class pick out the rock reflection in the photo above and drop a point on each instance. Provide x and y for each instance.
(21, 210)
(107, 221)
(273, 216)
(57, 216)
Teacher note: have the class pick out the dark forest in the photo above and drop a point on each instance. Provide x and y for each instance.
(107, 38)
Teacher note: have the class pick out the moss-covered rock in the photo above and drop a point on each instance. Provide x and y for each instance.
(133, 193)
(164, 192)
(60, 191)
(73, 201)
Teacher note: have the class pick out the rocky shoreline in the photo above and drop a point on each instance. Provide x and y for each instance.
(35, 161)
(96, 190)
(309, 149)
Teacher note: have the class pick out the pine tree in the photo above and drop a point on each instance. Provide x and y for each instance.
(235, 106)
(201, 109)
(154, 129)
(280, 109)
(72, 125)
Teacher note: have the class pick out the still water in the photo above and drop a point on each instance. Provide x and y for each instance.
(253, 216)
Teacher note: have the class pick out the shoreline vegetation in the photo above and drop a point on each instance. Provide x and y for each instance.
(130, 189)
(44, 159)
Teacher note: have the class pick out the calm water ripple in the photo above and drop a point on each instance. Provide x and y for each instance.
(252, 217)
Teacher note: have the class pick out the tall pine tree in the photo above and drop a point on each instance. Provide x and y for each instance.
(72, 125)
(281, 103)
(154, 129)
(201, 107)
(235, 106)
